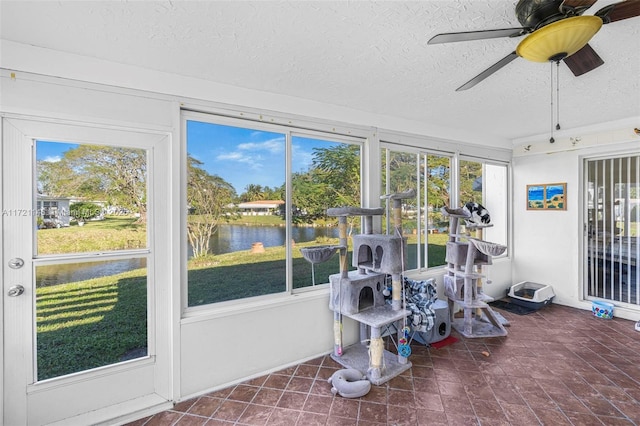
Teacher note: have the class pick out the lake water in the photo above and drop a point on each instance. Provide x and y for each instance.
(80, 271)
(229, 238)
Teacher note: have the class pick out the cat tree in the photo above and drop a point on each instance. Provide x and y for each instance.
(359, 294)
(462, 282)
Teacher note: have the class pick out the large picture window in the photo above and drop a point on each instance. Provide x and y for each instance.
(256, 195)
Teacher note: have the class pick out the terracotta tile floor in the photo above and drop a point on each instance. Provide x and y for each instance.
(557, 366)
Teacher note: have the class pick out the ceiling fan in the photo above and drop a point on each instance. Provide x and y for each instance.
(556, 30)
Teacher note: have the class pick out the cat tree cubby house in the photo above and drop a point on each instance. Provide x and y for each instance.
(359, 294)
(465, 257)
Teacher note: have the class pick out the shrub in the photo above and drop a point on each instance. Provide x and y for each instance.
(84, 210)
(48, 224)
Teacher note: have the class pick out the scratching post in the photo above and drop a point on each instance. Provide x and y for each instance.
(376, 350)
(342, 233)
(358, 294)
(396, 280)
(337, 315)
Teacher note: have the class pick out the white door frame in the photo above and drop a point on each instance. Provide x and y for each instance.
(610, 252)
(108, 392)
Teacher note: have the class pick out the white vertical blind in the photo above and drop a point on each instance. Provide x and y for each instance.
(613, 228)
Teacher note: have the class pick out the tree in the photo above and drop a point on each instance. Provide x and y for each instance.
(332, 180)
(438, 181)
(309, 197)
(253, 192)
(208, 198)
(338, 168)
(403, 170)
(117, 175)
(470, 172)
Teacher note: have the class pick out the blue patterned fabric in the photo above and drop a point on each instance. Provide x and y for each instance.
(419, 296)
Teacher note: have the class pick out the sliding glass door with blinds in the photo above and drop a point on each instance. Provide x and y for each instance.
(612, 226)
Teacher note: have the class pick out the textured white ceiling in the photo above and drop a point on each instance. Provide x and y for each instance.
(368, 55)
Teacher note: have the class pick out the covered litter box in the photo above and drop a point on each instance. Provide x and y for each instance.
(531, 295)
(602, 309)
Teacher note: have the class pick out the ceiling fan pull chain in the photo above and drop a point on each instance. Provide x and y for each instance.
(558, 95)
(551, 140)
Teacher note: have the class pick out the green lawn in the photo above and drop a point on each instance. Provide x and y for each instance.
(90, 323)
(113, 233)
(243, 274)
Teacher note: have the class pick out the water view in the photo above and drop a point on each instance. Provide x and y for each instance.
(229, 238)
(80, 271)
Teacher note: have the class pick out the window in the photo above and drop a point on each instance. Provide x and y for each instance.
(423, 224)
(325, 174)
(486, 183)
(430, 174)
(255, 195)
(49, 209)
(91, 276)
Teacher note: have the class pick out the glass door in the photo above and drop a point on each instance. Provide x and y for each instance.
(612, 214)
(80, 286)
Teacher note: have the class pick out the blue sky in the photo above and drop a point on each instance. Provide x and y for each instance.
(241, 156)
(52, 151)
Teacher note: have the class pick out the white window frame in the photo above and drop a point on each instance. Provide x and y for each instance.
(505, 226)
(421, 197)
(425, 146)
(299, 128)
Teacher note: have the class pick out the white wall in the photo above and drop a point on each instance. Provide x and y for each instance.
(547, 245)
(247, 343)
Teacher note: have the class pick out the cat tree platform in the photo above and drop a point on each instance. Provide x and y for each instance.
(485, 324)
(357, 355)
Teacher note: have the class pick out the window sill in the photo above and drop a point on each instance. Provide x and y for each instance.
(213, 311)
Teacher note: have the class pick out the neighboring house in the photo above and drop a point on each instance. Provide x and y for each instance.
(54, 210)
(260, 208)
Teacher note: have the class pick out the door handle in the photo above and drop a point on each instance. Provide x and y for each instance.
(15, 290)
(16, 263)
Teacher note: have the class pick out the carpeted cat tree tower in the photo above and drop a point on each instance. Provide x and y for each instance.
(465, 257)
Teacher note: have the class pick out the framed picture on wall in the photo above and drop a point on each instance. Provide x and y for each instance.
(548, 196)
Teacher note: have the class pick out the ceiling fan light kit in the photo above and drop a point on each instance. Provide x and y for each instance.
(560, 39)
(556, 30)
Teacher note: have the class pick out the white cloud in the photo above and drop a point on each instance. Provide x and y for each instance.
(52, 159)
(254, 156)
(234, 156)
(238, 157)
(273, 146)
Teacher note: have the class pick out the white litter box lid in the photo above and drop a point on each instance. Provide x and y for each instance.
(532, 292)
